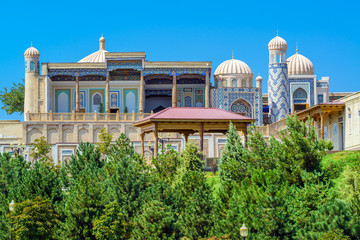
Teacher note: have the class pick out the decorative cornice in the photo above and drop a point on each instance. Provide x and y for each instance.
(75, 65)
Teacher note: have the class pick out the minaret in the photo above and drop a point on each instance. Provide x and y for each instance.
(278, 83)
(32, 57)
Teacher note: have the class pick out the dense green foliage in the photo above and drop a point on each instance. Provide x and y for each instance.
(13, 100)
(281, 189)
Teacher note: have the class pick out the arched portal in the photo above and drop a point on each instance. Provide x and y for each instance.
(300, 96)
(300, 102)
(242, 106)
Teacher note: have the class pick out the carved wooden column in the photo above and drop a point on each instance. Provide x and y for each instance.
(156, 140)
(142, 93)
(322, 125)
(207, 89)
(142, 136)
(201, 133)
(174, 92)
(77, 92)
(107, 93)
(186, 135)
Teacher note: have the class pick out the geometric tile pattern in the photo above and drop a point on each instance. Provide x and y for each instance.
(224, 98)
(307, 84)
(278, 86)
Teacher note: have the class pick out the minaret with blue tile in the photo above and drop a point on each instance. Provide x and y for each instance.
(278, 83)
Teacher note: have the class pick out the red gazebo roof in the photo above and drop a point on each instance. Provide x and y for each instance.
(195, 114)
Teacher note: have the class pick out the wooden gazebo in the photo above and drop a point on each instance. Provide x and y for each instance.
(187, 120)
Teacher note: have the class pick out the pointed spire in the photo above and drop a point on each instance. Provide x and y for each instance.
(297, 47)
(232, 54)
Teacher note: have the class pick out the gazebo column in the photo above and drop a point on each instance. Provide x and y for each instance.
(207, 89)
(142, 93)
(201, 133)
(156, 140)
(77, 92)
(142, 136)
(245, 136)
(174, 90)
(186, 136)
(322, 115)
(107, 93)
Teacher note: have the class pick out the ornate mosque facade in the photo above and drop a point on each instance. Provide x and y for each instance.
(69, 103)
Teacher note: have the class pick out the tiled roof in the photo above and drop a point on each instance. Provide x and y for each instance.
(192, 113)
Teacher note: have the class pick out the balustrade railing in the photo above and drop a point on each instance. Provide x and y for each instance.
(122, 117)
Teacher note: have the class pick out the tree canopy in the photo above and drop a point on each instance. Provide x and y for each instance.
(281, 189)
(13, 100)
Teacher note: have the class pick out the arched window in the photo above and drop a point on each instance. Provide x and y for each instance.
(187, 101)
(32, 66)
(241, 106)
(243, 83)
(234, 83)
(63, 103)
(300, 96)
(131, 102)
(96, 101)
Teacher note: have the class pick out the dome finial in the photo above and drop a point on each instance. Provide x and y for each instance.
(232, 54)
(102, 43)
(277, 33)
(31, 43)
(297, 47)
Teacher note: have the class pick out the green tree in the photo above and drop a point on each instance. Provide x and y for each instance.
(166, 164)
(11, 172)
(191, 160)
(34, 219)
(334, 235)
(193, 205)
(4, 220)
(232, 163)
(154, 221)
(39, 180)
(40, 149)
(299, 150)
(86, 156)
(105, 141)
(13, 100)
(83, 205)
(113, 224)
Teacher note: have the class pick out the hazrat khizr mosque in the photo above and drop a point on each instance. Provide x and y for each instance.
(71, 102)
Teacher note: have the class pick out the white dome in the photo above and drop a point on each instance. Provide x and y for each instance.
(32, 52)
(98, 56)
(233, 66)
(277, 43)
(259, 78)
(299, 65)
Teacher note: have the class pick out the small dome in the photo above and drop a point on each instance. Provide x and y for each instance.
(31, 52)
(259, 78)
(277, 43)
(98, 56)
(299, 65)
(233, 66)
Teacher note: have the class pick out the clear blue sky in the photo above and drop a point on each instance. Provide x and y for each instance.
(66, 31)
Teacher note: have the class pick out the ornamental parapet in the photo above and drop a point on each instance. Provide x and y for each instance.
(86, 117)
